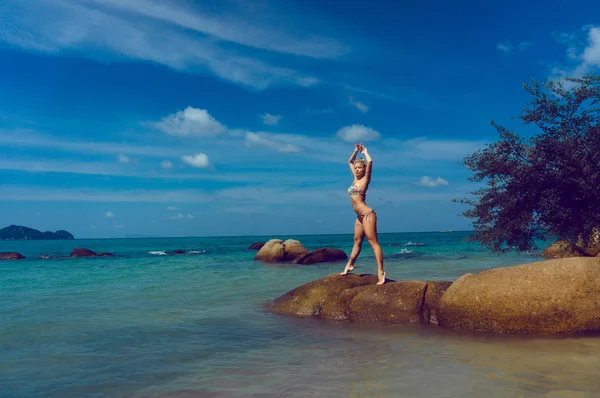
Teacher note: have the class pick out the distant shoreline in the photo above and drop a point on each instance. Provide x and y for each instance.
(268, 236)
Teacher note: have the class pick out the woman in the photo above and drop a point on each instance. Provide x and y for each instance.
(366, 220)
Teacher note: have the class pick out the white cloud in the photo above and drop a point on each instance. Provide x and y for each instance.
(152, 31)
(269, 141)
(237, 30)
(165, 164)
(584, 54)
(199, 160)
(123, 159)
(172, 208)
(357, 133)
(180, 216)
(506, 47)
(110, 214)
(30, 139)
(82, 194)
(119, 226)
(190, 122)
(431, 183)
(591, 54)
(359, 105)
(271, 120)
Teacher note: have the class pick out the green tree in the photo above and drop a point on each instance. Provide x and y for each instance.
(546, 185)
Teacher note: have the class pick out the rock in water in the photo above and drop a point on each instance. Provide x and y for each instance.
(551, 297)
(323, 255)
(293, 249)
(272, 250)
(83, 252)
(357, 298)
(11, 256)
(256, 246)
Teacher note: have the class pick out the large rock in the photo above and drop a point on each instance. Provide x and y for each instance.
(278, 250)
(560, 296)
(563, 249)
(272, 250)
(11, 256)
(293, 249)
(357, 298)
(323, 255)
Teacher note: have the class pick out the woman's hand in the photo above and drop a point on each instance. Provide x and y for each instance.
(357, 147)
(363, 149)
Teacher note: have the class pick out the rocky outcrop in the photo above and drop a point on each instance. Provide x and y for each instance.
(553, 297)
(256, 246)
(11, 256)
(323, 255)
(357, 298)
(278, 250)
(563, 249)
(293, 249)
(83, 252)
(272, 250)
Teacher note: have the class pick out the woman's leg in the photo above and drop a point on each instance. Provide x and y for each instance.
(369, 223)
(359, 236)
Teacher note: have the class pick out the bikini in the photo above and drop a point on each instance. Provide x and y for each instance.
(355, 191)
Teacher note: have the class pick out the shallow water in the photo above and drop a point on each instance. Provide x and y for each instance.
(193, 325)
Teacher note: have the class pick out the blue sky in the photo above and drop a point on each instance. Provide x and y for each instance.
(123, 118)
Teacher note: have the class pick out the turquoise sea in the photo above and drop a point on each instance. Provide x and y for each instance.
(193, 325)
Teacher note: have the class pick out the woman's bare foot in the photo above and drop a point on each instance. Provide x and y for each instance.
(381, 279)
(349, 267)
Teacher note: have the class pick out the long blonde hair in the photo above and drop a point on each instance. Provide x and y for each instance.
(361, 161)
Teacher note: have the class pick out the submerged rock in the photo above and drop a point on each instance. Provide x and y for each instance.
(83, 252)
(256, 246)
(357, 298)
(11, 256)
(551, 297)
(323, 255)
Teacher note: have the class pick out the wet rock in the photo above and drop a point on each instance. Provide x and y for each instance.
(177, 251)
(83, 252)
(11, 256)
(256, 246)
(553, 297)
(323, 255)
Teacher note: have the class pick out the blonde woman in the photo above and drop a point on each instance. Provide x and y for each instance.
(366, 219)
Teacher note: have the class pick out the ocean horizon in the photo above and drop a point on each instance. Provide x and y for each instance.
(148, 324)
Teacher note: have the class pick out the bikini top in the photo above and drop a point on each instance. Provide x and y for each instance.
(355, 191)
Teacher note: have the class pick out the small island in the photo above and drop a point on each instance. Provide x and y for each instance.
(18, 232)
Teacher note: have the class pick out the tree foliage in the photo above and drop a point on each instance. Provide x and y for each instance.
(546, 185)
